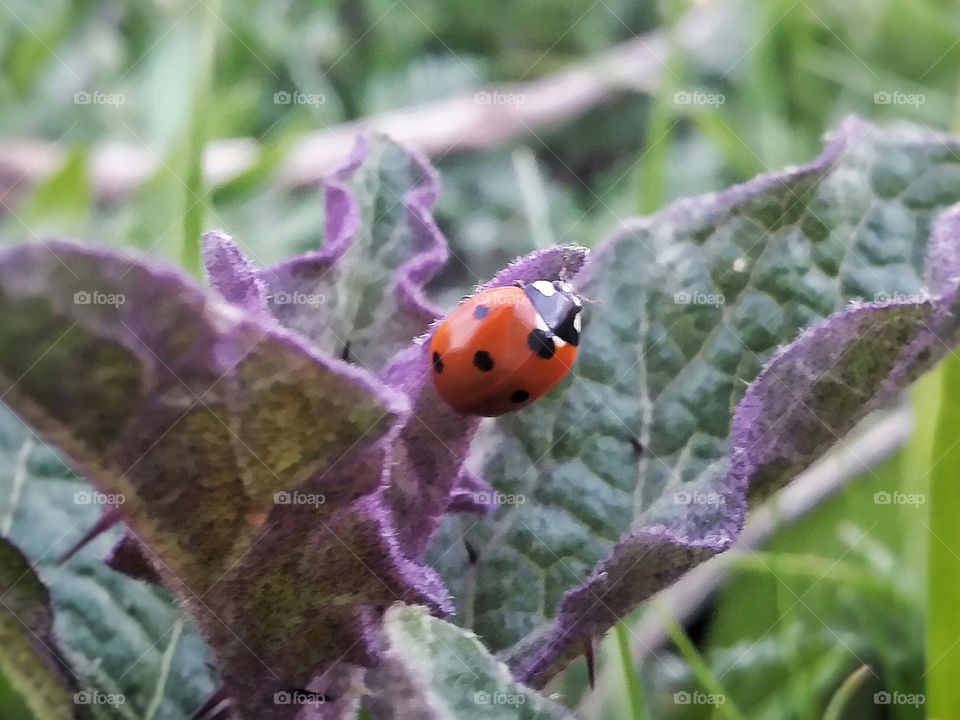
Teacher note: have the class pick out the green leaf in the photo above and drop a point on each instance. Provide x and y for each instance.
(116, 633)
(28, 654)
(692, 303)
(433, 670)
(381, 245)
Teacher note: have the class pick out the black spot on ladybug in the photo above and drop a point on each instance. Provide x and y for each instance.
(519, 396)
(541, 342)
(481, 311)
(437, 362)
(483, 361)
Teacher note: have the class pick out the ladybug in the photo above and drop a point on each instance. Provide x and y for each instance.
(503, 348)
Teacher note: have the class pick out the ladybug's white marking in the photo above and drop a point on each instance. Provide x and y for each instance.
(545, 288)
(576, 323)
(542, 324)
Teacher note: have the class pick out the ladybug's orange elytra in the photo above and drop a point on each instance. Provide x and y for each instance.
(504, 348)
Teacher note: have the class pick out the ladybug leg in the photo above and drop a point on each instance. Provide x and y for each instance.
(520, 284)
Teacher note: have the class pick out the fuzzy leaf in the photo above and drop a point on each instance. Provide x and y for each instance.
(433, 670)
(217, 429)
(626, 469)
(116, 633)
(361, 295)
(28, 654)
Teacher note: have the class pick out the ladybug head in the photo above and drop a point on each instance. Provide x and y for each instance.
(558, 307)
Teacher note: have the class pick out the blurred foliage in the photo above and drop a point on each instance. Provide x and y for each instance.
(786, 71)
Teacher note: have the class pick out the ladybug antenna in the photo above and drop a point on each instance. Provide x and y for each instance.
(590, 300)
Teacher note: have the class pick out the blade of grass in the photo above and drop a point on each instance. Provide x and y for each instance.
(651, 172)
(535, 202)
(841, 698)
(943, 555)
(631, 674)
(725, 707)
(801, 689)
(196, 195)
(822, 569)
